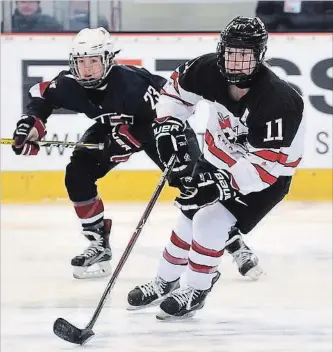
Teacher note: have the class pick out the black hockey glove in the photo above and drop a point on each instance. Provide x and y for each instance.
(205, 188)
(123, 144)
(28, 130)
(170, 139)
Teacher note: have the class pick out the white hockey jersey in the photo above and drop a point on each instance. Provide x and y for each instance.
(257, 139)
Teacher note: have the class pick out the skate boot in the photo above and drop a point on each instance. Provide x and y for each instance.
(245, 259)
(94, 262)
(184, 302)
(150, 294)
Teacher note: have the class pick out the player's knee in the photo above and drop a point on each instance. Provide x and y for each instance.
(70, 176)
(183, 228)
(214, 219)
(203, 216)
(79, 184)
(75, 178)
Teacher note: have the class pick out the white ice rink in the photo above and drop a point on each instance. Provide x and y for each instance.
(289, 310)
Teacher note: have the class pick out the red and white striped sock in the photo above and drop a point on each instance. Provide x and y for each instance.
(202, 266)
(211, 226)
(175, 255)
(90, 212)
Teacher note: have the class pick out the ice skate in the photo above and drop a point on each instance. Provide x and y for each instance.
(150, 294)
(94, 262)
(183, 303)
(246, 260)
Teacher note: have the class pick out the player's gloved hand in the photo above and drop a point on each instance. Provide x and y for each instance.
(206, 188)
(28, 130)
(123, 143)
(170, 139)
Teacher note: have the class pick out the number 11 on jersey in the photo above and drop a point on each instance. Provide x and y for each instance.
(277, 137)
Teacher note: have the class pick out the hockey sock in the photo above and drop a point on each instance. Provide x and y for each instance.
(91, 213)
(174, 259)
(211, 226)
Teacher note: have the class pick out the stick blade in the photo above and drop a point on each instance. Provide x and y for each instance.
(68, 332)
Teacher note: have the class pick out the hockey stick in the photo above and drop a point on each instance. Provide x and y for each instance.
(99, 146)
(68, 332)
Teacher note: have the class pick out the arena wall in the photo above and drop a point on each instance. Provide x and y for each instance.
(304, 60)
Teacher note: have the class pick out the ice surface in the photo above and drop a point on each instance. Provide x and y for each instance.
(289, 310)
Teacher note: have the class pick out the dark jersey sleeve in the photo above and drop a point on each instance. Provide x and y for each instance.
(275, 144)
(142, 94)
(274, 148)
(44, 97)
(155, 81)
(198, 76)
(139, 92)
(276, 130)
(277, 121)
(189, 83)
(142, 102)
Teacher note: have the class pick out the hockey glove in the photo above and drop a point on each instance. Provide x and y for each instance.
(206, 188)
(170, 139)
(28, 130)
(123, 144)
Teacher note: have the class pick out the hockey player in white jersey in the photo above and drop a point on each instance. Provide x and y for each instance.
(253, 143)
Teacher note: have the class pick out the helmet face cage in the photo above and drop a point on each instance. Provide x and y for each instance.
(242, 37)
(107, 63)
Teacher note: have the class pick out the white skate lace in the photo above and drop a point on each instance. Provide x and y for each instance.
(242, 256)
(94, 248)
(153, 287)
(185, 296)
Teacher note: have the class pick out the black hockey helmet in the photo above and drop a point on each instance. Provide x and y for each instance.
(242, 33)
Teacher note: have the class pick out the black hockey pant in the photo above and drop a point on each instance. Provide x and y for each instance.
(87, 166)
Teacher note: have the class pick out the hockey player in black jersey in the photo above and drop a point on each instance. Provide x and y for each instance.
(253, 143)
(121, 100)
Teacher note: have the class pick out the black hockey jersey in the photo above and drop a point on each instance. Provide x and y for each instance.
(129, 90)
(257, 138)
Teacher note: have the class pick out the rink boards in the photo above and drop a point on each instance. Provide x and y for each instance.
(138, 186)
(30, 59)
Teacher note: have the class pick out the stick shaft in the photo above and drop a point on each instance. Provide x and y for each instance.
(133, 240)
(9, 141)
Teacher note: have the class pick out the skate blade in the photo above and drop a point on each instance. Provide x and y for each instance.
(162, 316)
(255, 273)
(95, 271)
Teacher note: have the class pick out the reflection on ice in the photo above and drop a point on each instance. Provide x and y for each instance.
(289, 310)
